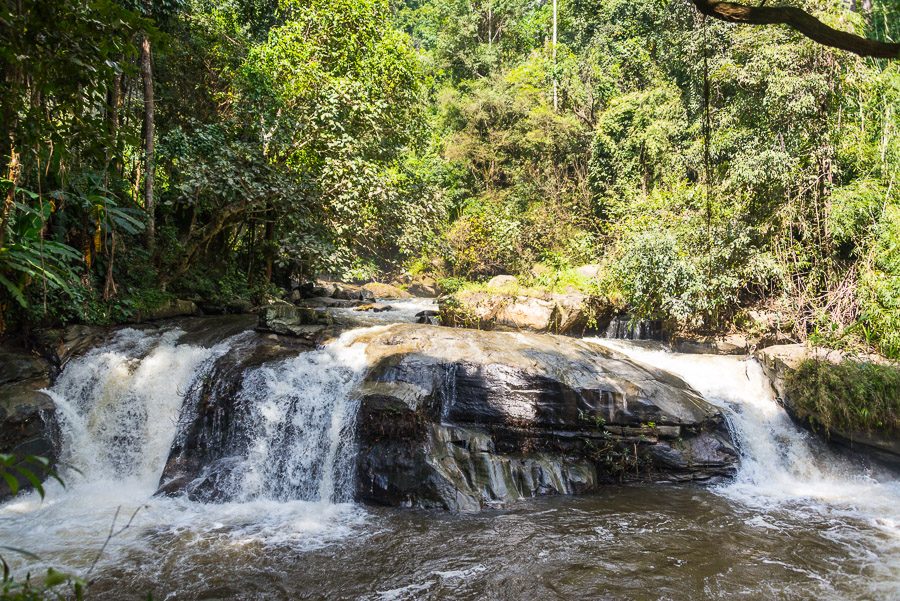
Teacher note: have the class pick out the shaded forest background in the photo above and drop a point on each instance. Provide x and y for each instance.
(228, 150)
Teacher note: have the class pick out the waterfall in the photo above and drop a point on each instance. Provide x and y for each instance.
(300, 431)
(623, 327)
(118, 406)
(782, 465)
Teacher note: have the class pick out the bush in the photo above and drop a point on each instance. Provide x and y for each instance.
(849, 396)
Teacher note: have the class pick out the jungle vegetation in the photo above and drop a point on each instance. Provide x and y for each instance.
(715, 159)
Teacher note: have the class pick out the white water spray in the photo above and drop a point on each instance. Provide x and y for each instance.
(302, 418)
(118, 407)
(787, 474)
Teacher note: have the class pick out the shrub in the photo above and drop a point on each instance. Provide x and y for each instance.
(848, 396)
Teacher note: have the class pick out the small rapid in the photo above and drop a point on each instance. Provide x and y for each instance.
(300, 428)
(786, 473)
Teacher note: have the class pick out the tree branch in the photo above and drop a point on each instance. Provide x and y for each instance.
(799, 20)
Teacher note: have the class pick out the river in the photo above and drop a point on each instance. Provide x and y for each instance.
(797, 522)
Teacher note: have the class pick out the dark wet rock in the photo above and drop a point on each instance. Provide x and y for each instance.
(462, 419)
(28, 423)
(292, 321)
(60, 345)
(226, 306)
(624, 327)
(432, 318)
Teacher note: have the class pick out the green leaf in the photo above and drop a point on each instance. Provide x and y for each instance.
(11, 481)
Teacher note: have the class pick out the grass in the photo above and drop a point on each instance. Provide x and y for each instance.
(848, 396)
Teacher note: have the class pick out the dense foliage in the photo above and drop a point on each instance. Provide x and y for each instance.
(219, 150)
(847, 397)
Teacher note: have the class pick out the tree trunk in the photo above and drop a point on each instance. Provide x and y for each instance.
(800, 21)
(554, 58)
(270, 239)
(112, 100)
(8, 150)
(149, 147)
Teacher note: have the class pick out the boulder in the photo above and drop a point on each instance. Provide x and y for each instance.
(502, 280)
(588, 271)
(725, 344)
(558, 313)
(292, 321)
(375, 307)
(63, 344)
(423, 286)
(432, 318)
(352, 292)
(463, 419)
(28, 423)
(173, 308)
(386, 291)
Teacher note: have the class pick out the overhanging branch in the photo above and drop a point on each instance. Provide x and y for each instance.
(799, 20)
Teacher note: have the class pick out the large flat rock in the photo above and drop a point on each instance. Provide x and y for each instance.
(462, 419)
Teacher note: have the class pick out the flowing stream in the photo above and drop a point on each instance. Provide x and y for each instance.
(797, 522)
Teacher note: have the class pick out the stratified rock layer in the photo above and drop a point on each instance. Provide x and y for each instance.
(461, 419)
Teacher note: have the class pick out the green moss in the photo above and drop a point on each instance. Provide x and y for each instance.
(848, 396)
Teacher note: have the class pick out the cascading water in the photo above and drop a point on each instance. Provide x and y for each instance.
(301, 426)
(786, 472)
(118, 407)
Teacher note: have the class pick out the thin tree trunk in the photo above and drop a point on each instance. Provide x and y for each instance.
(554, 57)
(270, 238)
(112, 100)
(149, 148)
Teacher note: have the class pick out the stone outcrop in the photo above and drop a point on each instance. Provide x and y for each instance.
(463, 419)
(779, 361)
(498, 281)
(169, 309)
(566, 314)
(591, 270)
(27, 416)
(423, 285)
(386, 291)
(726, 344)
(282, 318)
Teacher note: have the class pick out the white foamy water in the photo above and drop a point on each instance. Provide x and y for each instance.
(402, 311)
(302, 425)
(119, 408)
(785, 471)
